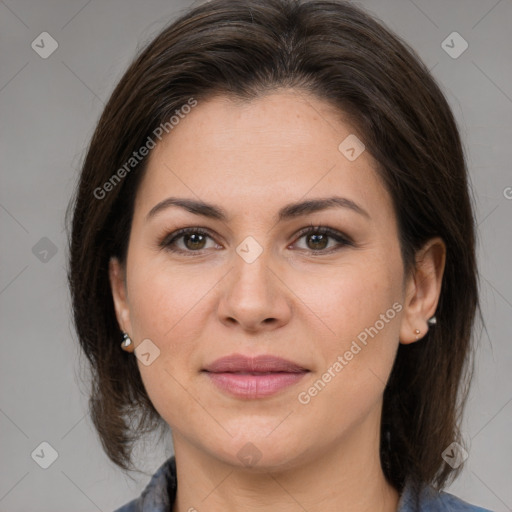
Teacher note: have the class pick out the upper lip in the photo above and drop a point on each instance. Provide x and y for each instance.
(258, 364)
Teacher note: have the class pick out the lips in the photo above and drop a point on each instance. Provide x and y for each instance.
(245, 377)
(237, 363)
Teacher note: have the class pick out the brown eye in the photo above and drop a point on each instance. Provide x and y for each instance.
(317, 239)
(194, 241)
(186, 240)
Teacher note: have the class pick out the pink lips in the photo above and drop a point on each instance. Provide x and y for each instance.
(253, 377)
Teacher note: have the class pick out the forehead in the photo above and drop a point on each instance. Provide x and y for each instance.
(245, 154)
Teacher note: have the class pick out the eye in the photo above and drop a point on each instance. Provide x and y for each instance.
(317, 239)
(195, 240)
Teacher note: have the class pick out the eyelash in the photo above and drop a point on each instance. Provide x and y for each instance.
(168, 241)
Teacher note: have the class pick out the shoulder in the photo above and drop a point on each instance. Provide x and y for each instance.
(160, 492)
(454, 503)
(129, 507)
(427, 499)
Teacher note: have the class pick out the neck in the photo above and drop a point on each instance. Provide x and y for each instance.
(347, 477)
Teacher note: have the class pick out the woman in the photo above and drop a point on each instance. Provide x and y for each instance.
(274, 217)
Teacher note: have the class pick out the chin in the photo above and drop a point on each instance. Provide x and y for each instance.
(261, 453)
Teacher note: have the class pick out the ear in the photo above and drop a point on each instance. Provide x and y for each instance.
(423, 288)
(118, 286)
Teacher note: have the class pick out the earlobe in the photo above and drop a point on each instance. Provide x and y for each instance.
(423, 290)
(119, 294)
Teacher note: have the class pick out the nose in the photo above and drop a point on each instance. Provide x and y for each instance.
(254, 297)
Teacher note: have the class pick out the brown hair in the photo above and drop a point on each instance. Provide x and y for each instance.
(336, 51)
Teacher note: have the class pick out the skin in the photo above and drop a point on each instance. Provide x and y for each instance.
(251, 159)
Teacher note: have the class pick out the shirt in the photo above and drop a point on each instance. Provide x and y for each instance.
(160, 493)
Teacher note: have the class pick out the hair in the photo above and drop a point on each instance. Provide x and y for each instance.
(341, 54)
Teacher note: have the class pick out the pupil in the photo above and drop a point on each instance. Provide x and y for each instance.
(323, 239)
(194, 242)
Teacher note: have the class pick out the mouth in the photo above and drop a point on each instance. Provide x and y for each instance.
(266, 363)
(253, 377)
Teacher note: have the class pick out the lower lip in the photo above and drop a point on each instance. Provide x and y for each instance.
(254, 386)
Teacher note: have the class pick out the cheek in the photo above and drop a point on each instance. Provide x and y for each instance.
(360, 310)
(165, 306)
(352, 297)
(165, 299)
(356, 364)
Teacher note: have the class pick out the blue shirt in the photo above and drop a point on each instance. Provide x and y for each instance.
(160, 493)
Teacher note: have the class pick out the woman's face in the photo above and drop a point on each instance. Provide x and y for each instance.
(258, 284)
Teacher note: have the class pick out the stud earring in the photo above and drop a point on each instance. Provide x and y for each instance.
(127, 343)
(417, 332)
(432, 321)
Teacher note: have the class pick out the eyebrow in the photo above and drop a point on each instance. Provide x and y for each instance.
(289, 211)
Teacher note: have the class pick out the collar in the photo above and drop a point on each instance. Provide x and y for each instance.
(160, 494)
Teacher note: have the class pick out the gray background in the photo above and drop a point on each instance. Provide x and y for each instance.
(48, 109)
